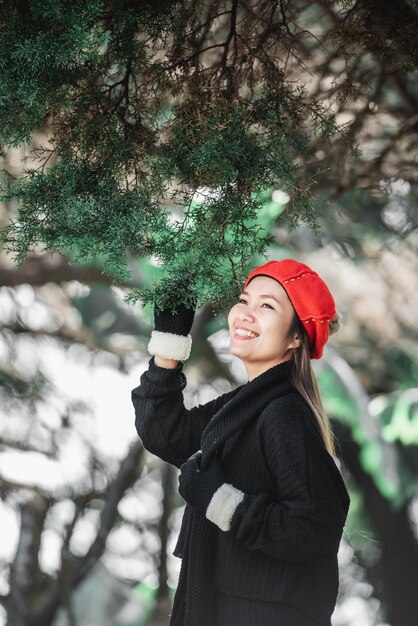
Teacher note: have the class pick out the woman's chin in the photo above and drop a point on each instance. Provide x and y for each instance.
(240, 350)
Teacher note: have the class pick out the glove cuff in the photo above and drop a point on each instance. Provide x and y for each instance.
(223, 505)
(170, 346)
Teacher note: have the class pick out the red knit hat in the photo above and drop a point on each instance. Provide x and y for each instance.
(311, 298)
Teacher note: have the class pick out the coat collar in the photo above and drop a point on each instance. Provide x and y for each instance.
(247, 403)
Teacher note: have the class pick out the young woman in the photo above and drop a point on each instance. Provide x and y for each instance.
(266, 504)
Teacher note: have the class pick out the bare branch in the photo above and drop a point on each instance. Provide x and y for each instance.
(129, 470)
(42, 269)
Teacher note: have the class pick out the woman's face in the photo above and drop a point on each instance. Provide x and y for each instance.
(259, 326)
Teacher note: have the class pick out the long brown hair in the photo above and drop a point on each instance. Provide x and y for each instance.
(304, 380)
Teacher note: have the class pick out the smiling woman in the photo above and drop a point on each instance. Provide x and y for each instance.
(266, 504)
(260, 325)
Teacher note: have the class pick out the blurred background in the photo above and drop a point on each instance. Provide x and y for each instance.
(89, 519)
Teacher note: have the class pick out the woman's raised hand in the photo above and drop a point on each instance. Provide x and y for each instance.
(179, 323)
(171, 340)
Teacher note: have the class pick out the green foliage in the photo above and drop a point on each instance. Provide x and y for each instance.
(387, 420)
(393, 37)
(45, 48)
(398, 414)
(402, 417)
(86, 213)
(140, 123)
(211, 145)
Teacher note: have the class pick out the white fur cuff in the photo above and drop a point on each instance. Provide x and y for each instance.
(223, 505)
(170, 346)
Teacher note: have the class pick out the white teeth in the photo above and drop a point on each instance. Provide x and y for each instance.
(244, 333)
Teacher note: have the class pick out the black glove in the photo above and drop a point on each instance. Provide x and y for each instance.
(197, 486)
(171, 339)
(207, 491)
(179, 323)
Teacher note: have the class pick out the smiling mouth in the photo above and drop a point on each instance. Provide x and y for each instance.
(240, 332)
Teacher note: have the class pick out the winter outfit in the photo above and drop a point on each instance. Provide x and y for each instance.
(266, 504)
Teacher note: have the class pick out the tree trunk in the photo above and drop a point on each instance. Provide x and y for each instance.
(162, 607)
(395, 576)
(25, 576)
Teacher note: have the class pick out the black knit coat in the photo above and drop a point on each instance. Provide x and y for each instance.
(285, 534)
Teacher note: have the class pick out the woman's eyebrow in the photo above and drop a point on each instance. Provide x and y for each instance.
(263, 295)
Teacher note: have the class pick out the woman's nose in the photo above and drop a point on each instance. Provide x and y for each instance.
(245, 314)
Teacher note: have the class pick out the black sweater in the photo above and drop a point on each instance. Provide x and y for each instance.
(285, 534)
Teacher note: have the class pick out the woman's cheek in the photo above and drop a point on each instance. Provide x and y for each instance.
(232, 314)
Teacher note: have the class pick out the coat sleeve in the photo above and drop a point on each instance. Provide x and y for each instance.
(306, 515)
(165, 426)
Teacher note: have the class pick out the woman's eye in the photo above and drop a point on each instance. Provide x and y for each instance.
(241, 300)
(265, 304)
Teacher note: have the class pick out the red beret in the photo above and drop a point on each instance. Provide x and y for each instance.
(311, 298)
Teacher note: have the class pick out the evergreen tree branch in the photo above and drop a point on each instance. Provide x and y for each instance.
(151, 107)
